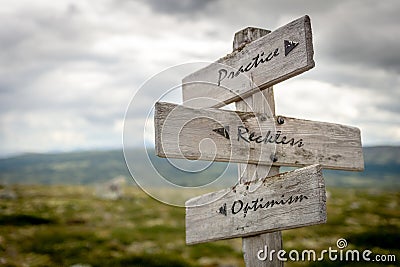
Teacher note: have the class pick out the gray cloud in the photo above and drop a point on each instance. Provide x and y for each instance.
(174, 7)
(82, 63)
(364, 34)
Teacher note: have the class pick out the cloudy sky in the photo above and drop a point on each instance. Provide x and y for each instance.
(68, 69)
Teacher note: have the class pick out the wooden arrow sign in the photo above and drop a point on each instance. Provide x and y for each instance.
(247, 137)
(287, 200)
(275, 57)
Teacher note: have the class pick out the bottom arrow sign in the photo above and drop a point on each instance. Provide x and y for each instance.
(287, 200)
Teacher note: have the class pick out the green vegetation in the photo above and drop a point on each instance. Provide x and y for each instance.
(60, 222)
(67, 225)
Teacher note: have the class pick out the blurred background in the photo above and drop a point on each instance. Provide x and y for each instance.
(68, 70)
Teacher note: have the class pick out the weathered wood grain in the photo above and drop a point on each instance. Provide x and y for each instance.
(253, 66)
(262, 102)
(279, 140)
(247, 35)
(285, 201)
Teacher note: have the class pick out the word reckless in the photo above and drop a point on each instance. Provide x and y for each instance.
(268, 138)
(257, 60)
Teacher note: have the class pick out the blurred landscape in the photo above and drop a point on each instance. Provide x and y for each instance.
(53, 214)
(382, 169)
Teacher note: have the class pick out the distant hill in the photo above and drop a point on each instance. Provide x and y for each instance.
(63, 168)
(382, 169)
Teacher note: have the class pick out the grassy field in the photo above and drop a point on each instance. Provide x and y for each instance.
(69, 225)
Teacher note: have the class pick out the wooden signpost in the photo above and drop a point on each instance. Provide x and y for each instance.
(264, 201)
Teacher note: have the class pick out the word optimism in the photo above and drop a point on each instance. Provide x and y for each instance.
(259, 204)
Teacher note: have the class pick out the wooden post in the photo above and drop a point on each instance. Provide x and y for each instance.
(262, 101)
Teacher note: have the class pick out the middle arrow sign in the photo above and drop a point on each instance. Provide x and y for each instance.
(247, 137)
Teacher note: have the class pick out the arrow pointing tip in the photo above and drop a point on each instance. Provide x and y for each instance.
(289, 46)
(224, 131)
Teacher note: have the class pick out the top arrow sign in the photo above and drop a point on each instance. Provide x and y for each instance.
(289, 46)
(277, 56)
